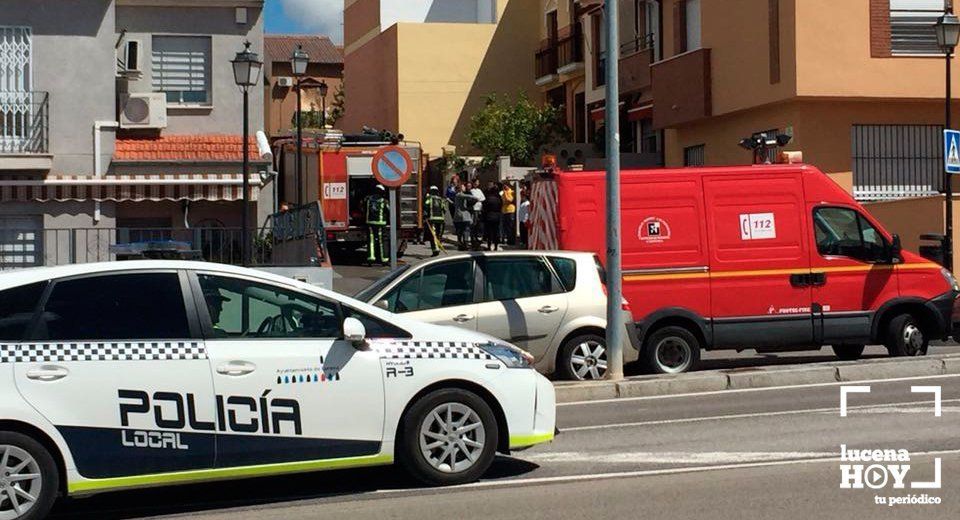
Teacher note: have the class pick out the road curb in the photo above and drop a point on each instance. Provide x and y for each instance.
(758, 377)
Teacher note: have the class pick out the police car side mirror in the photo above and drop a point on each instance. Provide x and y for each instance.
(383, 304)
(354, 332)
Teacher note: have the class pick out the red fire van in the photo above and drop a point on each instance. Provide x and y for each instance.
(766, 257)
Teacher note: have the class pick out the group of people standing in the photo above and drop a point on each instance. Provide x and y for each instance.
(483, 218)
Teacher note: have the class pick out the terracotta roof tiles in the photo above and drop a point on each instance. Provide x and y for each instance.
(200, 148)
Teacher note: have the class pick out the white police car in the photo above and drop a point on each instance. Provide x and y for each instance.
(150, 373)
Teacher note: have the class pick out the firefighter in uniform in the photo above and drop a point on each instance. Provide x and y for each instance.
(435, 208)
(375, 211)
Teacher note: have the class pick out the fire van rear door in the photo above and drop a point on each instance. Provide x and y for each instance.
(334, 187)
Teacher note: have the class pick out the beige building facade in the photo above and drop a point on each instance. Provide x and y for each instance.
(425, 76)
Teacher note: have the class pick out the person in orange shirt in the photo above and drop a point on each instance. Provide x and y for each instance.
(508, 221)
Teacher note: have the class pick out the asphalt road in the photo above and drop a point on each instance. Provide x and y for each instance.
(763, 453)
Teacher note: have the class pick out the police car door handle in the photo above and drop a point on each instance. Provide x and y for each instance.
(236, 368)
(47, 373)
(462, 318)
(548, 309)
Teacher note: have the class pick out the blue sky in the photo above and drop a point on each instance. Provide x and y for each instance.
(305, 17)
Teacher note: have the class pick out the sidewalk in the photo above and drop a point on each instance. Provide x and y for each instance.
(759, 377)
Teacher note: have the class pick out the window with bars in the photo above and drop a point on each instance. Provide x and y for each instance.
(694, 155)
(911, 26)
(181, 69)
(896, 161)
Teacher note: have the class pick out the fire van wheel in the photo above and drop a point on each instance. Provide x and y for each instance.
(905, 337)
(28, 478)
(448, 437)
(583, 358)
(671, 350)
(848, 352)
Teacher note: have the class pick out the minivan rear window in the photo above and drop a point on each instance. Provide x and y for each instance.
(566, 269)
(17, 306)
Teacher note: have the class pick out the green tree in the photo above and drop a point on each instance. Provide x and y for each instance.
(516, 128)
(338, 108)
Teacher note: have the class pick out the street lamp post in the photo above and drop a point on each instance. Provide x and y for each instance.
(948, 35)
(323, 104)
(246, 73)
(298, 64)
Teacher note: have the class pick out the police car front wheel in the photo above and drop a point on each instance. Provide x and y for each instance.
(28, 478)
(449, 437)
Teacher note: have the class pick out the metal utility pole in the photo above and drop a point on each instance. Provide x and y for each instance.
(299, 167)
(245, 227)
(948, 179)
(947, 30)
(615, 323)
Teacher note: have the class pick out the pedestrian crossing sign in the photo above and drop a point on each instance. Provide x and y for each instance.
(951, 151)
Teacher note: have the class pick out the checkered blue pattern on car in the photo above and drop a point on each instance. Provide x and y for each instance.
(103, 351)
(6, 353)
(430, 350)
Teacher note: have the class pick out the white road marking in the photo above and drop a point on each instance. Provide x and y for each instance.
(640, 473)
(752, 415)
(668, 457)
(745, 390)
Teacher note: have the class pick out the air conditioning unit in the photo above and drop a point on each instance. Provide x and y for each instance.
(147, 111)
(285, 81)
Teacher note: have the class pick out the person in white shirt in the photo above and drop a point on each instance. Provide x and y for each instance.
(523, 213)
(476, 232)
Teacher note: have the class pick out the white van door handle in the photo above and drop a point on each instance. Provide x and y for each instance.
(548, 309)
(462, 318)
(47, 373)
(236, 368)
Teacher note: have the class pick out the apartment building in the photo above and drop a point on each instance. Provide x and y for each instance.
(323, 78)
(571, 73)
(120, 121)
(425, 74)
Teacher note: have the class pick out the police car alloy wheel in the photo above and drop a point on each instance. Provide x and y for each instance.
(449, 437)
(28, 478)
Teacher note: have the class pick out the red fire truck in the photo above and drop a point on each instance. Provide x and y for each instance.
(337, 172)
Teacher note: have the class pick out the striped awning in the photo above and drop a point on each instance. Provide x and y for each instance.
(129, 188)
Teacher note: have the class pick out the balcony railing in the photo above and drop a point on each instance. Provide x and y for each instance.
(640, 42)
(547, 60)
(570, 50)
(24, 122)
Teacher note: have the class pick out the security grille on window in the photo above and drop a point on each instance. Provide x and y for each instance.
(694, 155)
(896, 161)
(911, 26)
(181, 68)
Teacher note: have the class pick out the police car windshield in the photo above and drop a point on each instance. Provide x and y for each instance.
(365, 294)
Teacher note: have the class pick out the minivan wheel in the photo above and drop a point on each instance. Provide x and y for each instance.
(671, 350)
(905, 337)
(583, 358)
(848, 352)
(28, 478)
(448, 437)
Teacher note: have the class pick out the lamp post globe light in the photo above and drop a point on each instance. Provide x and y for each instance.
(947, 29)
(298, 65)
(324, 89)
(246, 73)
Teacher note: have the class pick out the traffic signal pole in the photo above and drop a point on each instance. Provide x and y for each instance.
(616, 327)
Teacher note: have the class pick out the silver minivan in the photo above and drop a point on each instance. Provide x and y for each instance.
(552, 304)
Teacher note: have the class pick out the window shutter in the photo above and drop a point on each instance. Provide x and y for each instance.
(180, 64)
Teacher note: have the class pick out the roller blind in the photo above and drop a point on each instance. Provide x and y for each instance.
(181, 68)
(911, 26)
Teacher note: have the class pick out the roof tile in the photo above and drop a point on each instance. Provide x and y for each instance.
(279, 47)
(201, 148)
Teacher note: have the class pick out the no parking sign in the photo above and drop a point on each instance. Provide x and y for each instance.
(392, 166)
